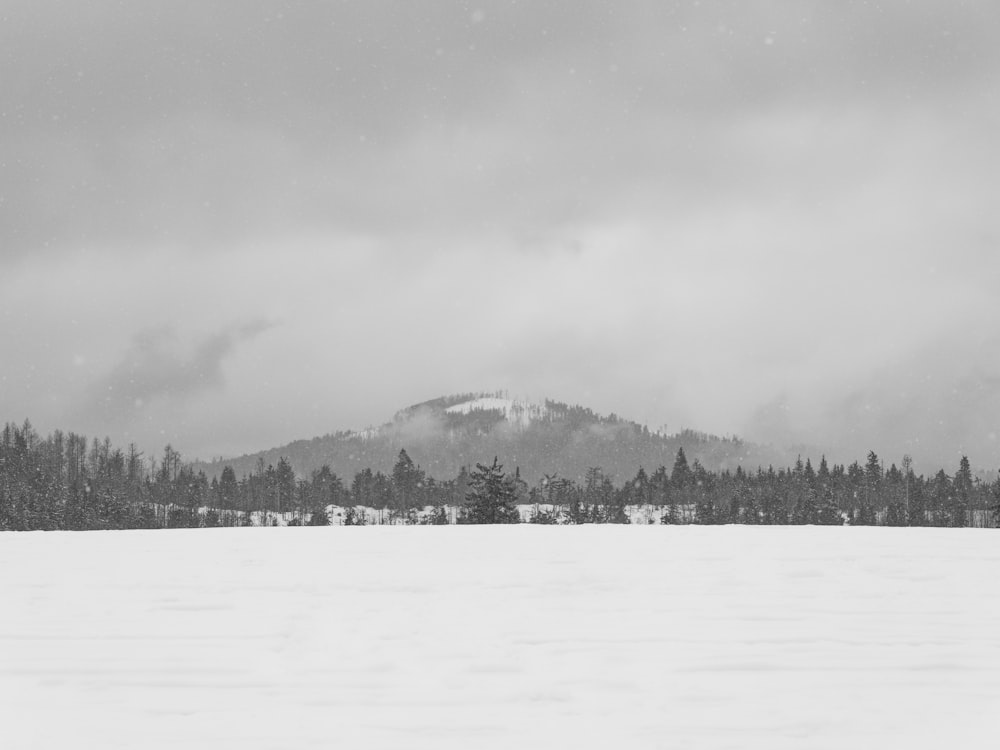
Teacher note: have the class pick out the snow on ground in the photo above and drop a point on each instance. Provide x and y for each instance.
(782, 638)
(514, 410)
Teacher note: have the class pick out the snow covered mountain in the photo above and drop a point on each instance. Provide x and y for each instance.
(521, 413)
(444, 434)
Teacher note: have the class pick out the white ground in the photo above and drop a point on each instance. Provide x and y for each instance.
(518, 412)
(501, 637)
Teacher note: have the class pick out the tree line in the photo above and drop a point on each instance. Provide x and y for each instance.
(65, 481)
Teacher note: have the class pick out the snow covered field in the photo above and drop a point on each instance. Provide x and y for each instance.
(501, 637)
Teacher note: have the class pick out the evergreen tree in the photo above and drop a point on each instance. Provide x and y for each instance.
(671, 516)
(810, 474)
(941, 498)
(680, 475)
(827, 512)
(913, 498)
(865, 515)
(659, 482)
(962, 485)
(354, 517)
(806, 510)
(363, 489)
(823, 475)
(772, 506)
(559, 492)
(614, 503)
(284, 486)
(407, 483)
(325, 488)
(592, 484)
(995, 507)
(492, 497)
(916, 502)
(319, 518)
(743, 506)
(868, 515)
(704, 502)
(894, 497)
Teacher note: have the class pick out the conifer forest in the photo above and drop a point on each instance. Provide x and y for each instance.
(65, 481)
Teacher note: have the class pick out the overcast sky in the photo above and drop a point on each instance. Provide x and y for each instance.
(227, 225)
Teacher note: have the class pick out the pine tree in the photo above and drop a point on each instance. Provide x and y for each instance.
(363, 488)
(941, 497)
(407, 483)
(996, 502)
(895, 496)
(772, 510)
(592, 486)
(616, 513)
(492, 497)
(671, 516)
(319, 518)
(680, 475)
(284, 486)
(354, 517)
(911, 502)
(828, 514)
(916, 502)
(704, 503)
(806, 510)
(962, 484)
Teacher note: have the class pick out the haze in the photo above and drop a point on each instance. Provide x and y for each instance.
(226, 225)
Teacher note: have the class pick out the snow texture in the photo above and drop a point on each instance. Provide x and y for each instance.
(784, 638)
(515, 411)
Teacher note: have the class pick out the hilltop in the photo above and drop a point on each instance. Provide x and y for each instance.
(548, 437)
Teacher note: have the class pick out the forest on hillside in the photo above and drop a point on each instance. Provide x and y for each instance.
(537, 438)
(65, 481)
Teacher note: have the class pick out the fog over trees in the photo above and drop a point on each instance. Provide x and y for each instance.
(65, 481)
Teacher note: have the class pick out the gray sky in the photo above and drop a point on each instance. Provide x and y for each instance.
(232, 224)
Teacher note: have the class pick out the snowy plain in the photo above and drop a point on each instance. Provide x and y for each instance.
(501, 637)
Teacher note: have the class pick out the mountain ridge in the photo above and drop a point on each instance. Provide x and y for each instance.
(444, 434)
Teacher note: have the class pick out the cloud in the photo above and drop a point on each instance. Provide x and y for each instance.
(676, 211)
(239, 120)
(936, 403)
(157, 366)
